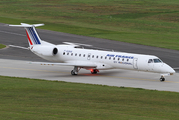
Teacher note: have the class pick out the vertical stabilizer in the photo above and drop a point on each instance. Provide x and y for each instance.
(33, 37)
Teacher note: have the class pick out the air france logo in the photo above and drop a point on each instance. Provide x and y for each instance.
(120, 56)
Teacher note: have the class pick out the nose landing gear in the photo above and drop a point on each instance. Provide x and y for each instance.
(162, 79)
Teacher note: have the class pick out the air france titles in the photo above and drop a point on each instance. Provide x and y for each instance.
(69, 51)
(123, 57)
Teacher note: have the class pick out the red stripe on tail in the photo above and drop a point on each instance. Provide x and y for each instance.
(29, 38)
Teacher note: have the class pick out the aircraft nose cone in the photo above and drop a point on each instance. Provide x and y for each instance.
(172, 71)
(168, 69)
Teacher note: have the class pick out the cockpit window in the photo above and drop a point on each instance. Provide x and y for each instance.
(157, 61)
(150, 61)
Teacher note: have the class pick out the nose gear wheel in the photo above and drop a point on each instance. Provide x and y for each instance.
(162, 79)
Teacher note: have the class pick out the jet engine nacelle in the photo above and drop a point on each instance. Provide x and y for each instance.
(44, 50)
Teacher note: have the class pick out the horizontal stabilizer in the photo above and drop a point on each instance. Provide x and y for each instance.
(19, 47)
(27, 25)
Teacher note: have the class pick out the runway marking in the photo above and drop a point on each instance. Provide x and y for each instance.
(88, 75)
(139, 79)
(32, 69)
(12, 33)
(131, 78)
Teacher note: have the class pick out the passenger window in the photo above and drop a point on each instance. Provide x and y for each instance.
(71, 54)
(67, 53)
(80, 55)
(96, 56)
(109, 58)
(114, 58)
(84, 55)
(101, 57)
(123, 59)
(105, 57)
(118, 58)
(75, 54)
(92, 56)
(63, 53)
(127, 59)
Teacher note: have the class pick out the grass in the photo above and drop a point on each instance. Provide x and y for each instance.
(147, 22)
(23, 98)
(2, 46)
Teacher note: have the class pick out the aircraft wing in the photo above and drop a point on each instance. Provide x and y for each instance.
(69, 63)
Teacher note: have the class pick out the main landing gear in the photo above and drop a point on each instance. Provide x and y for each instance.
(162, 79)
(77, 69)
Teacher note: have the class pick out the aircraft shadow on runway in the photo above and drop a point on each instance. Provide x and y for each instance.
(87, 73)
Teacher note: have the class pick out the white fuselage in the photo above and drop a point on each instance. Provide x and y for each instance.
(107, 59)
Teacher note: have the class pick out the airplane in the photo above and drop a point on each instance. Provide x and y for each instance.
(71, 54)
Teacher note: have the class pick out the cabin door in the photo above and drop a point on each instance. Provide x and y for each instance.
(135, 63)
(150, 65)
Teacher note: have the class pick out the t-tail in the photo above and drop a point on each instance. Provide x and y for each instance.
(37, 46)
(33, 37)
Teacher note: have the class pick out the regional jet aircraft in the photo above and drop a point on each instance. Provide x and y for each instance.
(69, 54)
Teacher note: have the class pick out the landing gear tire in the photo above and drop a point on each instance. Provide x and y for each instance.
(73, 73)
(162, 79)
(75, 70)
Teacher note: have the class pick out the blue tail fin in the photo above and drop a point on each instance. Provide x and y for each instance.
(32, 36)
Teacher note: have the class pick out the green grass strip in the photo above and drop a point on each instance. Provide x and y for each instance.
(23, 98)
(2, 46)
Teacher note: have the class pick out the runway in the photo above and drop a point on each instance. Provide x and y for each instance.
(120, 78)
(14, 62)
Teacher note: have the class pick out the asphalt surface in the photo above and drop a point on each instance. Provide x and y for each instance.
(17, 36)
(115, 77)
